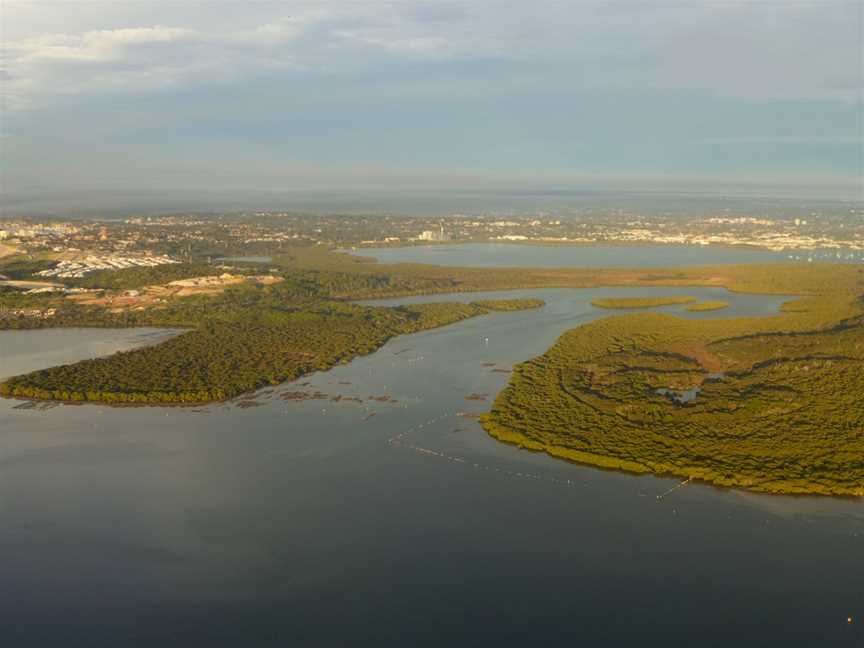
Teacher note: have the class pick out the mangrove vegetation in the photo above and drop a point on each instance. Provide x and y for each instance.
(641, 302)
(238, 342)
(707, 306)
(774, 404)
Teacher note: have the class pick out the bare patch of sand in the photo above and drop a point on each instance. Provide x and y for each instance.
(6, 250)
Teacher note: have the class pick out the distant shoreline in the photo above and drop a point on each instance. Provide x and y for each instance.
(581, 244)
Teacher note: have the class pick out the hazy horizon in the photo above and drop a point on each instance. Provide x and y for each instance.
(410, 97)
(120, 203)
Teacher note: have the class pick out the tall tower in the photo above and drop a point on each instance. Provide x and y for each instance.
(103, 233)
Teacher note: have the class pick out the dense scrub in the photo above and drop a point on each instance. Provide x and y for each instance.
(641, 302)
(15, 298)
(18, 267)
(778, 406)
(509, 304)
(707, 306)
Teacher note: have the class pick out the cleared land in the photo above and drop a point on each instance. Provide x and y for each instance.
(156, 296)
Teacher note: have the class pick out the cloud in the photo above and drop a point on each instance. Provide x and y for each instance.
(130, 59)
(422, 47)
(641, 86)
(764, 50)
(147, 58)
(93, 47)
(53, 64)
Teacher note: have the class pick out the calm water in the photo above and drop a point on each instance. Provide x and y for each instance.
(22, 351)
(298, 524)
(595, 256)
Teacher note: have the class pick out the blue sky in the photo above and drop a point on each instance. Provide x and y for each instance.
(256, 95)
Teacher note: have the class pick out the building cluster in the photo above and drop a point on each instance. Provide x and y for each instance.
(85, 246)
(89, 264)
(18, 232)
(775, 241)
(28, 313)
(438, 235)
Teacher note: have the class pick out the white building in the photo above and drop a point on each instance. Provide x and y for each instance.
(432, 235)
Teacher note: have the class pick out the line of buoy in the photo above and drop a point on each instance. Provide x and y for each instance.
(674, 488)
(399, 440)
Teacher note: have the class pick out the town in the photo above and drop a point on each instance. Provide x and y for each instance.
(82, 247)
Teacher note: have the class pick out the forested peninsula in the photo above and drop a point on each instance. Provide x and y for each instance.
(768, 404)
(244, 340)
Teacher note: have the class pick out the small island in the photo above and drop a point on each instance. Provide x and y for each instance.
(505, 305)
(706, 306)
(641, 302)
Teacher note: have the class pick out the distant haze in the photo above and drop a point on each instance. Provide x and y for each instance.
(178, 104)
(120, 204)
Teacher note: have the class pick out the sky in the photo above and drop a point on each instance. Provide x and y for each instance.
(256, 95)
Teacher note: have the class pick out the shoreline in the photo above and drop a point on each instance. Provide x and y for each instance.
(141, 399)
(636, 469)
(728, 283)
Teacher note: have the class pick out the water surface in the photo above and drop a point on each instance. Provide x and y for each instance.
(23, 351)
(312, 523)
